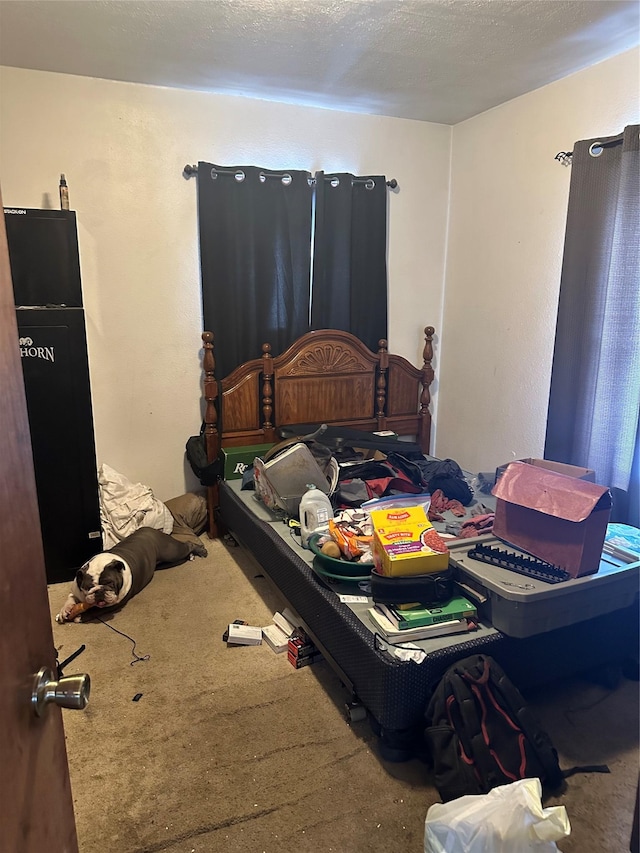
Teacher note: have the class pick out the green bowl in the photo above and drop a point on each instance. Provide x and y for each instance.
(338, 568)
(330, 577)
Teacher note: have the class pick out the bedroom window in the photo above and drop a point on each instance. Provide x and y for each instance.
(259, 231)
(594, 402)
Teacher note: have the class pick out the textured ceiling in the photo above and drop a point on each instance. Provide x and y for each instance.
(431, 60)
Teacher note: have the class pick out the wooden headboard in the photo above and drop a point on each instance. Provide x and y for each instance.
(326, 376)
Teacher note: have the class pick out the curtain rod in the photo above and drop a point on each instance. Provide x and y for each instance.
(595, 149)
(189, 171)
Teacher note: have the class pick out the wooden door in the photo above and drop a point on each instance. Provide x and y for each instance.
(35, 793)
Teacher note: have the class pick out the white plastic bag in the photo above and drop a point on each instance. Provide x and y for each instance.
(509, 819)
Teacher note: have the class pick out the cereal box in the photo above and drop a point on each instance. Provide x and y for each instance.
(406, 543)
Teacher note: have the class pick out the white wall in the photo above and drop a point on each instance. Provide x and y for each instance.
(123, 147)
(508, 210)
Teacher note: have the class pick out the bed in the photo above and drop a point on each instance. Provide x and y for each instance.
(326, 376)
(329, 376)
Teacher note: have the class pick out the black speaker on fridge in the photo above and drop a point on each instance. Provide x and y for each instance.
(45, 267)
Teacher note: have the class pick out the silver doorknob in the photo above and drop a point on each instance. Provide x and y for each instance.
(71, 691)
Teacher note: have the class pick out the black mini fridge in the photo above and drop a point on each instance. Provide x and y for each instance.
(45, 269)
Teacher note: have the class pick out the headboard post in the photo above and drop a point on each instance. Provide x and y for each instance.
(267, 394)
(425, 397)
(211, 435)
(381, 383)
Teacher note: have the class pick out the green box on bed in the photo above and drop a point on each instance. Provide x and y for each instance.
(236, 460)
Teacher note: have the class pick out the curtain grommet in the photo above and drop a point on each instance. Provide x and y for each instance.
(285, 178)
(596, 149)
(239, 175)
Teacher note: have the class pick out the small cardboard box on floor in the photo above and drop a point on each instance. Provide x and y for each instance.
(557, 518)
(406, 543)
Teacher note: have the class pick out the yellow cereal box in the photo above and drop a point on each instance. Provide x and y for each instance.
(406, 543)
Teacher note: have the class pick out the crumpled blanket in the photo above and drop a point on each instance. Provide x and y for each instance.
(477, 525)
(126, 506)
(441, 503)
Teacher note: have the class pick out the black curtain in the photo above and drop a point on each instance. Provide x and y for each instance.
(594, 401)
(349, 256)
(255, 249)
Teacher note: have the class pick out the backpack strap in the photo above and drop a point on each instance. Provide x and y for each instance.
(586, 768)
(536, 736)
(470, 687)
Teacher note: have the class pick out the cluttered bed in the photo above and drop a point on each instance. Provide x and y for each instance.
(405, 573)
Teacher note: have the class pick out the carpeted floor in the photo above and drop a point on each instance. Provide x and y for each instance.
(200, 747)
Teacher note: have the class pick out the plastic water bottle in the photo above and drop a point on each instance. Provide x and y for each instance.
(315, 512)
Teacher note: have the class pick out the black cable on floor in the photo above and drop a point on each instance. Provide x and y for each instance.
(133, 650)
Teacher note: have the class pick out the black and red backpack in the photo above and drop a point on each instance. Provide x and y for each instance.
(480, 733)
